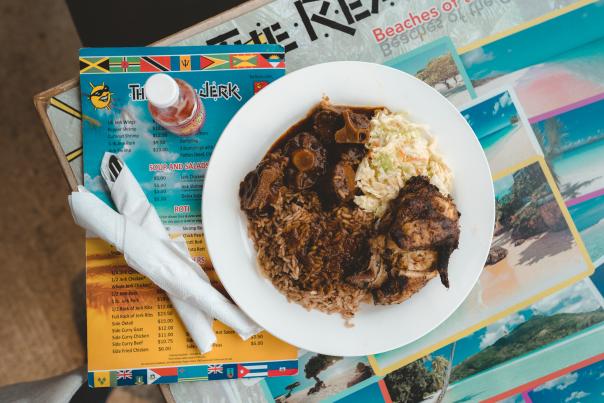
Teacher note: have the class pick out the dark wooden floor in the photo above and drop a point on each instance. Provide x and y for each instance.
(41, 250)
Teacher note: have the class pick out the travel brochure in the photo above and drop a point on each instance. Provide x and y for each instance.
(531, 327)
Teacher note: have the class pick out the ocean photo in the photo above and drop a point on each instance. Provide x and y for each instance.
(573, 144)
(585, 385)
(438, 65)
(319, 376)
(503, 136)
(589, 219)
(518, 51)
(509, 351)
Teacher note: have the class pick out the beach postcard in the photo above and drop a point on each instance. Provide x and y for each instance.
(589, 218)
(536, 251)
(320, 377)
(496, 63)
(502, 129)
(531, 344)
(527, 351)
(438, 65)
(572, 139)
(584, 385)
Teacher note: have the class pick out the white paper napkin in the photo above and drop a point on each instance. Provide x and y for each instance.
(167, 263)
(131, 202)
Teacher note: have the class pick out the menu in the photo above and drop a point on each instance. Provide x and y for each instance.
(134, 334)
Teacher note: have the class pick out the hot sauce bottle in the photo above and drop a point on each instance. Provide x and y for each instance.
(174, 105)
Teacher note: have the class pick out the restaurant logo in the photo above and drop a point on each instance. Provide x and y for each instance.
(100, 96)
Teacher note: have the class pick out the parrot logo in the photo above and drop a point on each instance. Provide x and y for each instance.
(100, 97)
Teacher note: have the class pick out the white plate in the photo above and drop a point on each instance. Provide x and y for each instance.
(245, 141)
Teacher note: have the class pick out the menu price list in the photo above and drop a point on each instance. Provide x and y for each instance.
(145, 330)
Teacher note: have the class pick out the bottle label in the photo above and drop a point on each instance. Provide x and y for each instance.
(193, 124)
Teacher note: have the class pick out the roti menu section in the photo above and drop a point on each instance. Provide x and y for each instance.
(134, 334)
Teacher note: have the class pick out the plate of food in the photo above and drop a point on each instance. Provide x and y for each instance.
(348, 208)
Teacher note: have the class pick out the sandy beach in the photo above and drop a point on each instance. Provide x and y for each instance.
(460, 98)
(498, 83)
(543, 88)
(536, 265)
(580, 171)
(512, 149)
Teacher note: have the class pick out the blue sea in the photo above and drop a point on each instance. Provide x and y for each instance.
(584, 164)
(493, 138)
(589, 219)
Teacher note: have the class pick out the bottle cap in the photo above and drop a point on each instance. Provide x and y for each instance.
(161, 90)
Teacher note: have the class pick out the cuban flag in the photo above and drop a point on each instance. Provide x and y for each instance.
(252, 370)
(162, 375)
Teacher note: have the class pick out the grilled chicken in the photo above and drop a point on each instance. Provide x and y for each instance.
(425, 219)
(375, 273)
(397, 289)
(421, 231)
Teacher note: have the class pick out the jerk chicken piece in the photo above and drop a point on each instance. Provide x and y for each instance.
(260, 185)
(375, 274)
(355, 130)
(413, 263)
(423, 219)
(397, 289)
(308, 160)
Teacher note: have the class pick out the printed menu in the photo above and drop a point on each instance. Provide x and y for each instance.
(134, 334)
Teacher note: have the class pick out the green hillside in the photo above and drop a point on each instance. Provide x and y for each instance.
(536, 332)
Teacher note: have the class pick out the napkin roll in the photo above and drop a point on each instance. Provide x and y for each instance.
(131, 202)
(147, 247)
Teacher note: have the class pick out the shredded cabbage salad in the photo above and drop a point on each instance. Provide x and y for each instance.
(398, 149)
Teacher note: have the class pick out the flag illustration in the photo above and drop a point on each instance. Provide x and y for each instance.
(275, 60)
(155, 63)
(124, 64)
(252, 370)
(215, 369)
(258, 85)
(102, 379)
(282, 368)
(193, 373)
(209, 62)
(94, 65)
(185, 63)
(244, 61)
(162, 375)
(124, 374)
(127, 377)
